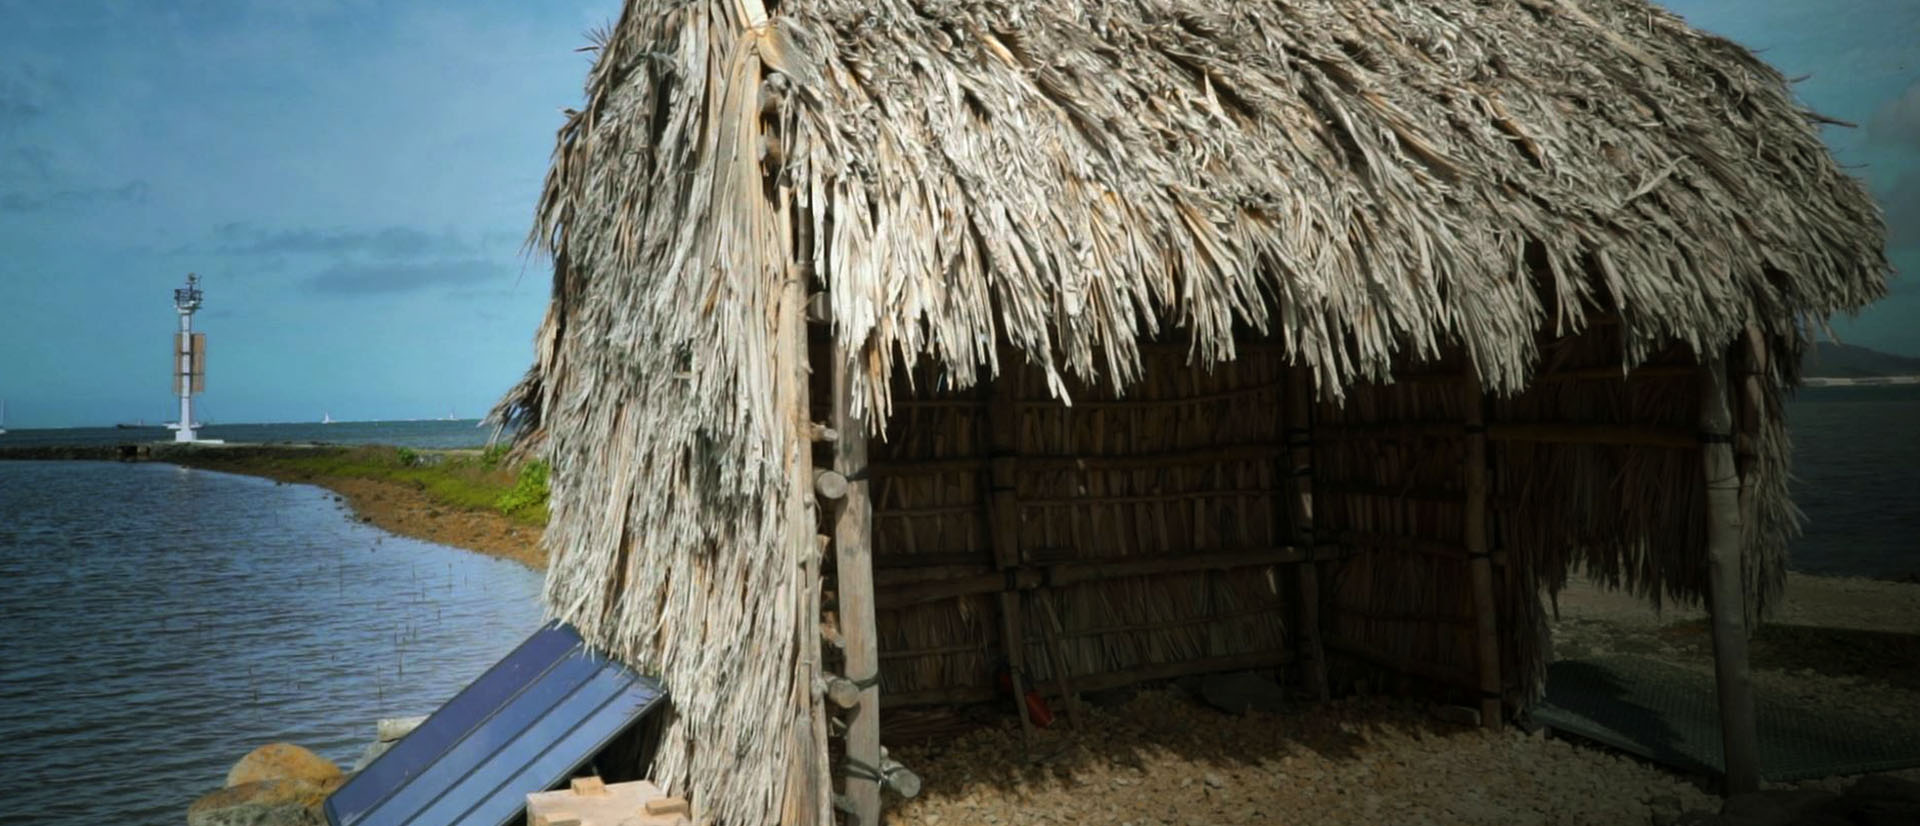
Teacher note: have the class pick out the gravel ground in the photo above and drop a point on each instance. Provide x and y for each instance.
(1163, 758)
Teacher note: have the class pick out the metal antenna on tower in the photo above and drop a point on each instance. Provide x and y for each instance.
(190, 358)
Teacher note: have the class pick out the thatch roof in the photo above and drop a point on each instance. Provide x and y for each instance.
(1364, 181)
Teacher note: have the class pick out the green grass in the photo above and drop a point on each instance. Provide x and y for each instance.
(463, 479)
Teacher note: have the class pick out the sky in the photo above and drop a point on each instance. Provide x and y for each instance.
(353, 181)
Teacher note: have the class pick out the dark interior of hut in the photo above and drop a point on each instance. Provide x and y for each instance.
(1233, 518)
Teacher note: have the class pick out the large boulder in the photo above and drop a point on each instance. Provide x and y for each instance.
(265, 803)
(282, 761)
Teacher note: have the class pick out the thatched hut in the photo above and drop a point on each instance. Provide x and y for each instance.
(900, 350)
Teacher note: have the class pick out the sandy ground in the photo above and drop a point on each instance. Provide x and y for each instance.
(1164, 759)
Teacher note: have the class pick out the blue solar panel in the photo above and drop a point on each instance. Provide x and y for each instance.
(525, 726)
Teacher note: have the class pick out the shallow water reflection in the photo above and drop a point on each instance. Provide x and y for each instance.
(160, 622)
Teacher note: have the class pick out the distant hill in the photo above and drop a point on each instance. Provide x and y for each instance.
(1846, 361)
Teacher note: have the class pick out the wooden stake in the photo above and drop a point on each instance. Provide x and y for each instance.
(1003, 438)
(853, 553)
(1479, 556)
(1725, 585)
(1299, 437)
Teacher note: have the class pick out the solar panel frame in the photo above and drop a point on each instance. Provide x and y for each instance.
(523, 726)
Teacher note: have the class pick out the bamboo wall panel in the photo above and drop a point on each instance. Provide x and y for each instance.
(1185, 464)
(1389, 493)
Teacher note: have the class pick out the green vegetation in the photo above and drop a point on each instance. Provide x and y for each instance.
(529, 491)
(459, 478)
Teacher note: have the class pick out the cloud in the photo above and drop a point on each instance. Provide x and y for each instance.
(387, 242)
(19, 101)
(1897, 122)
(1901, 203)
(362, 279)
(131, 192)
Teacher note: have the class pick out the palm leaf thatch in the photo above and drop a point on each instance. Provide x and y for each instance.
(1363, 184)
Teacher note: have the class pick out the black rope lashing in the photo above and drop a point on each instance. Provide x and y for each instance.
(861, 771)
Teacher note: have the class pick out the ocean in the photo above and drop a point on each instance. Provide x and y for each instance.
(160, 621)
(432, 433)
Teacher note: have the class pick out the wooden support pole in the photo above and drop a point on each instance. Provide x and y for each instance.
(1003, 440)
(1726, 587)
(1479, 554)
(1299, 439)
(809, 784)
(853, 554)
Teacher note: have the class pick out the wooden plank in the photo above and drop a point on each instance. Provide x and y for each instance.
(1027, 577)
(1479, 555)
(1726, 588)
(1299, 438)
(1099, 682)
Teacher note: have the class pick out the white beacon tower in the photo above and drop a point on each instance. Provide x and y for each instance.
(190, 358)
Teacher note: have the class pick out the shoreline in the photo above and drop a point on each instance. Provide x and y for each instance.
(435, 494)
(408, 510)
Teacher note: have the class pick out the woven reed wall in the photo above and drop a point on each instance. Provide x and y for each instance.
(1585, 467)
(1186, 464)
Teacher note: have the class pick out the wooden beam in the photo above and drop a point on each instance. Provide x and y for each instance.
(853, 556)
(1003, 439)
(1479, 556)
(1027, 577)
(1099, 682)
(1726, 587)
(1299, 439)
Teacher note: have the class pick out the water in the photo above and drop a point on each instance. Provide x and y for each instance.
(434, 433)
(1856, 475)
(161, 622)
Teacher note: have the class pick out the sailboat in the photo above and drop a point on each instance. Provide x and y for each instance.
(326, 418)
(3, 415)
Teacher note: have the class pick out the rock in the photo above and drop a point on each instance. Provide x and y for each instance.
(394, 728)
(1801, 802)
(1884, 787)
(264, 803)
(1883, 799)
(1241, 692)
(1700, 818)
(1457, 715)
(1821, 819)
(1214, 781)
(282, 761)
(1754, 809)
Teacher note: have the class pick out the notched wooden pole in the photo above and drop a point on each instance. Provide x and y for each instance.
(853, 555)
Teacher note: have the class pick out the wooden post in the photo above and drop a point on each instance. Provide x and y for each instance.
(1003, 506)
(1479, 555)
(1299, 437)
(1726, 588)
(853, 554)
